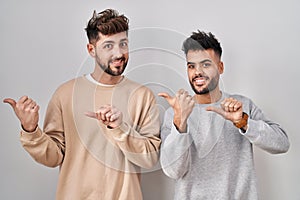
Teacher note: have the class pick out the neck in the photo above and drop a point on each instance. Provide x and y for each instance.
(104, 78)
(211, 97)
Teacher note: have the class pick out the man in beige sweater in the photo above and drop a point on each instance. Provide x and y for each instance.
(100, 128)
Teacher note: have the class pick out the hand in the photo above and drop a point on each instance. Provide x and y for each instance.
(182, 105)
(231, 109)
(27, 112)
(109, 115)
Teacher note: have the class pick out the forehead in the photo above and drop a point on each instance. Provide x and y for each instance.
(113, 38)
(199, 55)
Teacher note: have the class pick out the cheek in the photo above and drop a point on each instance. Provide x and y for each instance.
(190, 73)
(103, 56)
(126, 55)
(213, 73)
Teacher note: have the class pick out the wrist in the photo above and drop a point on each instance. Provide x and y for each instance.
(181, 126)
(113, 126)
(243, 122)
(29, 129)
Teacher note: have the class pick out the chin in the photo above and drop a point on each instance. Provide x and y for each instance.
(201, 91)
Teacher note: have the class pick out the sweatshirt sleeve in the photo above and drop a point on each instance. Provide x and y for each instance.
(47, 147)
(265, 133)
(140, 140)
(175, 151)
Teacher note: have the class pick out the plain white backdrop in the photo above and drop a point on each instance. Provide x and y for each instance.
(43, 44)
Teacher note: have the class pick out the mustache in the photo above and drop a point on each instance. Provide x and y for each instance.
(118, 59)
(200, 76)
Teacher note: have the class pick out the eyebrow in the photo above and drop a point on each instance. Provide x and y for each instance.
(112, 42)
(108, 42)
(203, 61)
(125, 39)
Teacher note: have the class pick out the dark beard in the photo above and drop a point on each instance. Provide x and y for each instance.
(211, 86)
(107, 68)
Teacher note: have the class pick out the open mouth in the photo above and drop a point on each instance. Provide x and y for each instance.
(199, 81)
(118, 62)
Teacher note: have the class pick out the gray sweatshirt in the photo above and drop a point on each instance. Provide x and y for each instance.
(214, 159)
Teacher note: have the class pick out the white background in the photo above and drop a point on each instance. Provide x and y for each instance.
(43, 44)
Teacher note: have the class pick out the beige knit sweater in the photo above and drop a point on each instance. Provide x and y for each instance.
(96, 162)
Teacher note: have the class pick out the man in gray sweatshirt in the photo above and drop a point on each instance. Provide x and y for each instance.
(207, 138)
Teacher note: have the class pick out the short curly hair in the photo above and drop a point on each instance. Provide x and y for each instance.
(107, 22)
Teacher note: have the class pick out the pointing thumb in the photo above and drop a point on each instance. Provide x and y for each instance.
(219, 111)
(91, 114)
(10, 102)
(166, 96)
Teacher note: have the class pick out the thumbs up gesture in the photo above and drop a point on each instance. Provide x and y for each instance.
(182, 105)
(27, 112)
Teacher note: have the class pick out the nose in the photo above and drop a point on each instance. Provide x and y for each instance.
(118, 52)
(198, 69)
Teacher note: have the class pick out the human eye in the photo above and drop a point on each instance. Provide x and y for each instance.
(124, 44)
(107, 46)
(191, 66)
(206, 64)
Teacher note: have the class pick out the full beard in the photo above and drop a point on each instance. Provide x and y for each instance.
(210, 87)
(107, 68)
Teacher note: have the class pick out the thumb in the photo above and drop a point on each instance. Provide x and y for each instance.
(10, 102)
(219, 111)
(166, 96)
(90, 114)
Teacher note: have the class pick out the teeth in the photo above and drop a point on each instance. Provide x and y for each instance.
(199, 81)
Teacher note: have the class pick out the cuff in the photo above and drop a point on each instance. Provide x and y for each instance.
(30, 136)
(253, 131)
(244, 133)
(179, 140)
(119, 133)
(175, 131)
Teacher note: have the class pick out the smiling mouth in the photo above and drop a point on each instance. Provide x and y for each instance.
(118, 62)
(199, 81)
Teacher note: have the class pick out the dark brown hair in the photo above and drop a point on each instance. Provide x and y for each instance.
(107, 22)
(202, 41)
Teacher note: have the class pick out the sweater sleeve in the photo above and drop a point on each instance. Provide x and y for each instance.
(140, 140)
(47, 147)
(175, 151)
(265, 133)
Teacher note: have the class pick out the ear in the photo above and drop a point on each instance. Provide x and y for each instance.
(91, 49)
(221, 67)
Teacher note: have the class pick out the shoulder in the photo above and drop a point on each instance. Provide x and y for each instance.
(67, 84)
(67, 88)
(240, 97)
(248, 104)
